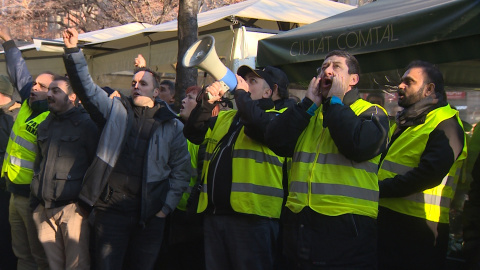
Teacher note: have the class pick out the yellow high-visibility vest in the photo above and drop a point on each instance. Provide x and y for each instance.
(22, 146)
(325, 180)
(257, 175)
(404, 154)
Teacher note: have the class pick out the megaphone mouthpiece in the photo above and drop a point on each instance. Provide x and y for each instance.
(202, 55)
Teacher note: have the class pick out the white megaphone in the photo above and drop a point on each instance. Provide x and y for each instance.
(202, 54)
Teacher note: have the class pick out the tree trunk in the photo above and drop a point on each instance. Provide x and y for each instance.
(187, 35)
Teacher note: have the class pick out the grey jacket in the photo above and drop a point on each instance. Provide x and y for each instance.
(167, 166)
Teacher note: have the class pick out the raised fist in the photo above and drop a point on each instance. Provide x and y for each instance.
(70, 37)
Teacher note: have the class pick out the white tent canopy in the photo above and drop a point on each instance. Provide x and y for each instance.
(46, 54)
(49, 46)
(265, 13)
(236, 28)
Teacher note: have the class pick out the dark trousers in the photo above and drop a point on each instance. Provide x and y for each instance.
(121, 243)
(183, 245)
(316, 241)
(8, 261)
(407, 242)
(240, 242)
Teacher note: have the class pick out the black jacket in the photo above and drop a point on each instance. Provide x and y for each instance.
(66, 147)
(358, 138)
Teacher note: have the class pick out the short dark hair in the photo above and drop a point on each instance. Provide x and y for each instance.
(156, 77)
(352, 62)
(433, 74)
(170, 84)
(66, 80)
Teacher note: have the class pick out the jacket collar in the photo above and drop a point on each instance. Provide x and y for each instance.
(39, 106)
(162, 112)
(351, 96)
(75, 115)
(266, 104)
(284, 102)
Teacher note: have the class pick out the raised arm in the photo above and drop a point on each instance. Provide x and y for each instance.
(140, 61)
(93, 97)
(200, 119)
(16, 67)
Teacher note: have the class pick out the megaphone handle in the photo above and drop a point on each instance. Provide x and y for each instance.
(224, 87)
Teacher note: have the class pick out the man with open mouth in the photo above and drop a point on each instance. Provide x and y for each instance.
(335, 139)
(17, 168)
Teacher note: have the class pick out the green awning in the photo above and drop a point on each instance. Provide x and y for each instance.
(384, 36)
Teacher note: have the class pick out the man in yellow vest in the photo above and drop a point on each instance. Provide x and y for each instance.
(242, 190)
(418, 173)
(20, 155)
(335, 139)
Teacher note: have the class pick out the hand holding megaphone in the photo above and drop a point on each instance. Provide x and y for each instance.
(202, 55)
(216, 90)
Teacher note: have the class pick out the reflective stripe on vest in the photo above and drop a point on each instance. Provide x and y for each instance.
(259, 157)
(335, 189)
(21, 163)
(335, 159)
(404, 155)
(402, 169)
(22, 142)
(21, 148)
(251, 188)
(257, 178)
(325, 180)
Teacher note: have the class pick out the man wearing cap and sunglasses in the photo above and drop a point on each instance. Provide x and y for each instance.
(243, 191)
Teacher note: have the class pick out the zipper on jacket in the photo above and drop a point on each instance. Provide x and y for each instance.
(142, 121)
(354, 225)
(143, 185)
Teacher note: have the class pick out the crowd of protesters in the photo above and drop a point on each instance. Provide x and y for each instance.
(95, 179)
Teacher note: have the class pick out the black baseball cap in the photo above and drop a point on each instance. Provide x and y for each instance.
(271, 75)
